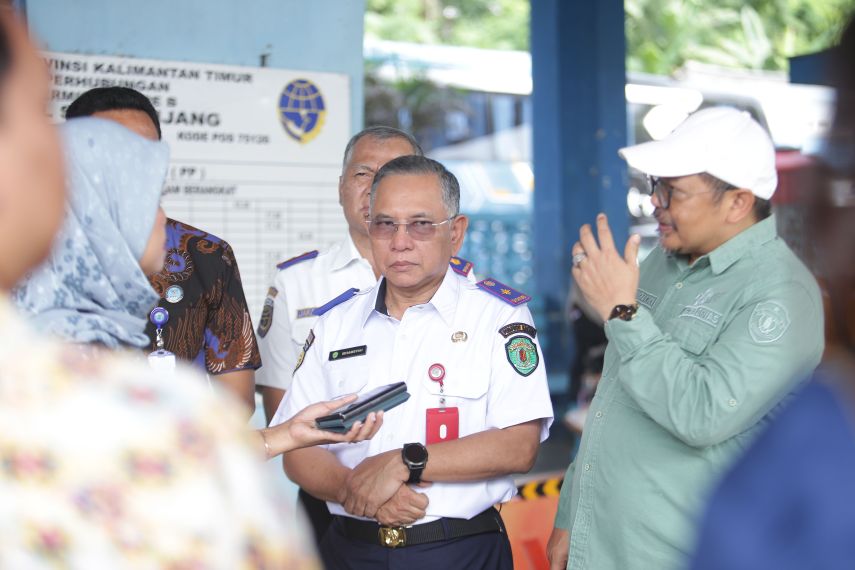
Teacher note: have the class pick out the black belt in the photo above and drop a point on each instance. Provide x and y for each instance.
(441, 529)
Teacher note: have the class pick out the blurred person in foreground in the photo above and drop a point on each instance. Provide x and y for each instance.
(103, 463)
(199, 285)
(706, 341)
(789, 503)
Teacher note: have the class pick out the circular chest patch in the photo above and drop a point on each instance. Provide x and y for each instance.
(522, 354)
(768, 322)
(174, 294)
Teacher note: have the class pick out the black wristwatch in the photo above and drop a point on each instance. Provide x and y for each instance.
(624, 312)
(415, 456)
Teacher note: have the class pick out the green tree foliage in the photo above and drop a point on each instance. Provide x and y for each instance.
(492, 24)
(416, 104)
(661, 34)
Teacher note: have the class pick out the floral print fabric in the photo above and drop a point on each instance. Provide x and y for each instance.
(104, 465)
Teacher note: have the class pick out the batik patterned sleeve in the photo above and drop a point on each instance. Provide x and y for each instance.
(230, 342)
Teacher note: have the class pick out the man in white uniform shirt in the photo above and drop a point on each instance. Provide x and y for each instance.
(479, 397)
(306, 282)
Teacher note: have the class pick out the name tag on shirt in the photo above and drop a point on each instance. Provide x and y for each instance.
(349, 352)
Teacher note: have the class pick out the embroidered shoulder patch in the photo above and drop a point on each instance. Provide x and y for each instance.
(300, 258)
(768, 322)
(522, 354)
(309, 340)
(460, 266)
(305, 313)
(503, 292)
(512, 328)
(267, 313)
(337, 301)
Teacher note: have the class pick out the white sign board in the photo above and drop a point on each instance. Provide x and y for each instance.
(256, 152)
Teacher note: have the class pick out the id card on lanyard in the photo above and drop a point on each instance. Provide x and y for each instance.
(442, 423)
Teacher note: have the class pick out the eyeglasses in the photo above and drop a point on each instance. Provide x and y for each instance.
(663, 190)
(421, 230)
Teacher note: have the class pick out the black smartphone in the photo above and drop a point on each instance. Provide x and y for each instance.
(381, 398)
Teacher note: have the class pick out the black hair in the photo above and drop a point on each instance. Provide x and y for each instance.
(112, 99)
(414, 164)
(762, 208)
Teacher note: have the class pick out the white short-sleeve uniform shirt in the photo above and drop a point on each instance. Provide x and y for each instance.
(300, 286)
(495, 377)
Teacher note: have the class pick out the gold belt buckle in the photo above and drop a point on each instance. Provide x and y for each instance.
(392, 537)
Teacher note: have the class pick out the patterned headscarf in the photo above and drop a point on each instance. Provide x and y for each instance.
(91, 288)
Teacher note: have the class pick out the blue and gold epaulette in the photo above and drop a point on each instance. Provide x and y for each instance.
(295, 260)
(461, 266)
(337, 301)
(503, 292)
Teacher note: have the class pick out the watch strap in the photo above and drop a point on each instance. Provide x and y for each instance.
(415, 475)
(624, 312)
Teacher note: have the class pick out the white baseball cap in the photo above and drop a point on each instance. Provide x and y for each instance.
(721, 141)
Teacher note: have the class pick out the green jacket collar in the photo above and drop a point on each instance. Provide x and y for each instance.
(731, 251)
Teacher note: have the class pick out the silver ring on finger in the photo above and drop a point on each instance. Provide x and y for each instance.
(579, 258)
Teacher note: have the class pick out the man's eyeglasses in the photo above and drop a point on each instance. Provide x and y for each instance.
(661, 189)
(421, 230)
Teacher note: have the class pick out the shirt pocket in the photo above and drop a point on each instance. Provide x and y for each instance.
(693, 337)
(463, 379)
(465, 387)
(348, 376)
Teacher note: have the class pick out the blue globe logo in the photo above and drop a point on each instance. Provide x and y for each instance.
(302, 110)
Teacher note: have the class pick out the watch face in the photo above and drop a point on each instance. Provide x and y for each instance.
(624, 312)
(415, 453)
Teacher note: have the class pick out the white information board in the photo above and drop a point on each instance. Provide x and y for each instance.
(256, 152)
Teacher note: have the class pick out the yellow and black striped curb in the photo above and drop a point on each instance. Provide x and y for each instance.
(542, 488)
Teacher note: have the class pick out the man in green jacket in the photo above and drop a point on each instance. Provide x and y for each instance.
(706, 341)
